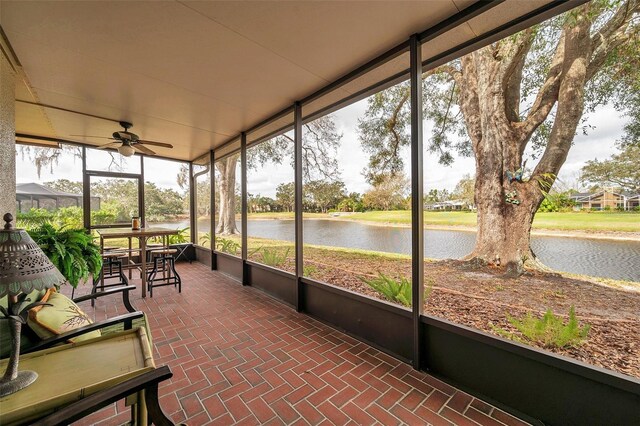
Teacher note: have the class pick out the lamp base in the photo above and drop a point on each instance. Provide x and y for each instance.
(24, 379)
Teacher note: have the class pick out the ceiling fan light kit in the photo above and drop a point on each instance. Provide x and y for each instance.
(126, 150)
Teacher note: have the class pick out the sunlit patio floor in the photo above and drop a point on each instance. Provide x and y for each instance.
(241, 357)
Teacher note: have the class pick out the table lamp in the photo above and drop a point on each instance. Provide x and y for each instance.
(23, 268)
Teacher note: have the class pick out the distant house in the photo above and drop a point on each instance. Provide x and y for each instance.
(450, 205)
(34, 195)
(622, 200)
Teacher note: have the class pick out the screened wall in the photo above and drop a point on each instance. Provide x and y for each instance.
(366, 206)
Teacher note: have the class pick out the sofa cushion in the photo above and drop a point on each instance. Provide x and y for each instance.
(61, 316)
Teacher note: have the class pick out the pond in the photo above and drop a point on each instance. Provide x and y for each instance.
(596, 257)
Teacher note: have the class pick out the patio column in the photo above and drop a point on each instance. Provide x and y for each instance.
(243, 188)
(212, 210)
(7, 136)
(417, 220)
(299, 240)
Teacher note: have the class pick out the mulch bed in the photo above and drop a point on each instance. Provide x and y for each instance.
(482, 298)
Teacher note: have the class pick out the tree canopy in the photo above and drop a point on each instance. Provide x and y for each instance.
(532, 64)
(390, 192)
(621, 170)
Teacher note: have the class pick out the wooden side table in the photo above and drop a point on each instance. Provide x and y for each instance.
(71, 372)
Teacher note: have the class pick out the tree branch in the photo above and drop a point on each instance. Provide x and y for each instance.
(469, 102)
(453, 72)
(612, 35)
(446, 115)
(514, 64)
(547, 95)
(393, 121)
(570, 98)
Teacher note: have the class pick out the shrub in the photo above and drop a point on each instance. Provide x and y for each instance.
(274, 258)
(309, 270)
(395, 290)
(72, 251)
(205, 238)
(34, 218)
(556, 203)
(549, 331)
(226, 245)
(182, 236)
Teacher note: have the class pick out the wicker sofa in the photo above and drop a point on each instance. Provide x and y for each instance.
(133, 319)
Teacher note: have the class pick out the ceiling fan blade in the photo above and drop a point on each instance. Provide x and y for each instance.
(161, 144)
(143, 149)
(88, 136)
(110, 145)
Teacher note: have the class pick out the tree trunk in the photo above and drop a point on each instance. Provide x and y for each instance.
(504, 229)
(227, 188)
(505, 209)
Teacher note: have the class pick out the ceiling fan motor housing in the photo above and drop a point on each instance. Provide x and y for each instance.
(126, 135)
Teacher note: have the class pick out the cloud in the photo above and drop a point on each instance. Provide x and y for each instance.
(607, 127)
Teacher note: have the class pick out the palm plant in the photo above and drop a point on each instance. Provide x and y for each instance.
(396, 290)
(181, 237)
(205, 238)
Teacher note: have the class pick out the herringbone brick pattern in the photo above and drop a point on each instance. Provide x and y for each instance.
(240, 357)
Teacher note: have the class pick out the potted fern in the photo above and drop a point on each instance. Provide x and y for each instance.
(72, 251)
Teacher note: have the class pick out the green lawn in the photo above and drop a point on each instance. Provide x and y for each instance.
(592, 221)
(284, 215)
(579, 221)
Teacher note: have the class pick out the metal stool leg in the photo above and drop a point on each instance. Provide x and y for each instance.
(172, 263)
(152, 276)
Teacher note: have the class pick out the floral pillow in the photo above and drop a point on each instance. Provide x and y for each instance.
(61, 316)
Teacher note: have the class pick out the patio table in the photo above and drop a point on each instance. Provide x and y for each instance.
(142, 235)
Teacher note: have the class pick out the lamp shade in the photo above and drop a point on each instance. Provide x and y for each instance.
(23, 265)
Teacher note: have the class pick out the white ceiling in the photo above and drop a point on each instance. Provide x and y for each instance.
(195, 74)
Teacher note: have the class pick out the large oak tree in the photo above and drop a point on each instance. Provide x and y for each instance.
(525, 95)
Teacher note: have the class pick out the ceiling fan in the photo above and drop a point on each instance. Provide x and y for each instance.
(127, 143)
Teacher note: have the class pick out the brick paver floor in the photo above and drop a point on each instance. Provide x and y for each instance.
(240, 357)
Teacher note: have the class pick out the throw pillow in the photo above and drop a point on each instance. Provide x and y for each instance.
(62, 316)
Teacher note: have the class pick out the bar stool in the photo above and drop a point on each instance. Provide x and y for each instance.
(152, 247)
(111, 268)
(163, 261)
